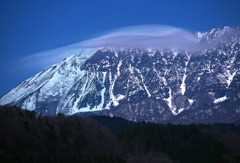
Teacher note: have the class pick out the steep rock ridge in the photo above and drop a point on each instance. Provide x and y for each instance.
(164, 85)
(42, 91)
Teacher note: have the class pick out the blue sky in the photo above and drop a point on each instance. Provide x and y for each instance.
(32, 26)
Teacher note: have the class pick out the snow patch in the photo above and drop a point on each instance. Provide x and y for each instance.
(183, 85)
(221, 99)
(198, 79)
(30, 103)
(190, 101)
(104, 77)
(118, 67)
(116, 54)
(120, 97)
(230, 78)
(180, 110)
(130, 69)
(149, 95)
(100, 107)
(169, 101)
(112, 97)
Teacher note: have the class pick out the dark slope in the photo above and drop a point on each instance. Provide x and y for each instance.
(186, 143)
(26, 136)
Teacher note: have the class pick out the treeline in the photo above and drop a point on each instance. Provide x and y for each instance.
(198, 143)
(26, 136)
(113, 123)
(184, 143)
(227, 127)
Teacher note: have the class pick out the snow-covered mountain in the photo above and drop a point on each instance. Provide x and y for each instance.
(161, 85)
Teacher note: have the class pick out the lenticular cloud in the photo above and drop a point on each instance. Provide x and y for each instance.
(145, 36)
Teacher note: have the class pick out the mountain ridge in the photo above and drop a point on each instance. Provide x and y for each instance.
(157, 85)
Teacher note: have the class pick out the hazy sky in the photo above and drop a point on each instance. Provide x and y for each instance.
(32, 26)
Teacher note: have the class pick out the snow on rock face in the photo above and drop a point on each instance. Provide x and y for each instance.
(221, 99)
(160, 83)
(53, 82)
(30, 102)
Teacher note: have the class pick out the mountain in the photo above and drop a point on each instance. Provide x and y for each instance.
(157, 85)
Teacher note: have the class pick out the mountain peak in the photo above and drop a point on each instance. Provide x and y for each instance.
(159, 85)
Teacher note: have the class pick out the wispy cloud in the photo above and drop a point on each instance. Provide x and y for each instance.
(144, 36)
(47, 58)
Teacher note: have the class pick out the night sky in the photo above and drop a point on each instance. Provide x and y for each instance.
(32, 26)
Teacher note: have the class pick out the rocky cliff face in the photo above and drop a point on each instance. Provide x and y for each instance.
(161, 85)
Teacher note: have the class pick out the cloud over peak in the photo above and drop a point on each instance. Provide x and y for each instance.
(144, 36)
